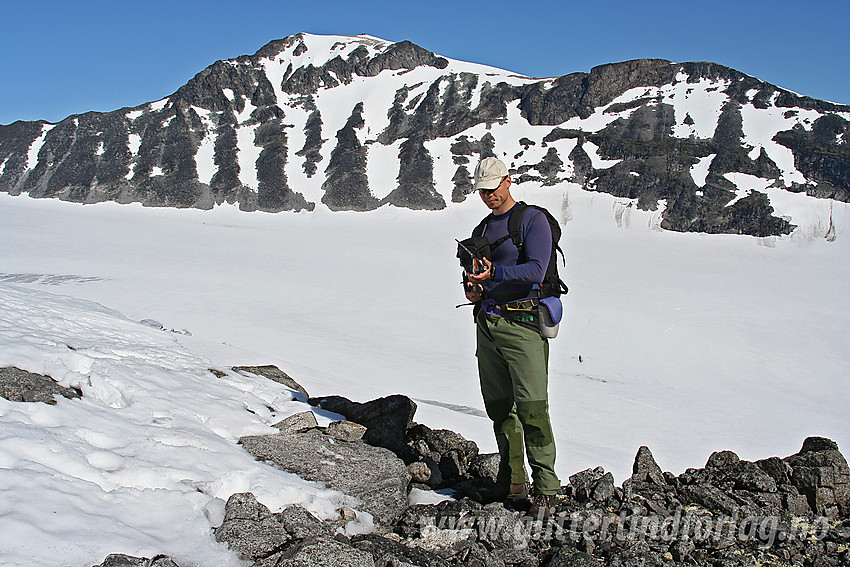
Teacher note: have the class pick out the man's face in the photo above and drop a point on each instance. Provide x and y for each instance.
(495, 198)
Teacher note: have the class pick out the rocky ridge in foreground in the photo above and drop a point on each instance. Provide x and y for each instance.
(774, 511)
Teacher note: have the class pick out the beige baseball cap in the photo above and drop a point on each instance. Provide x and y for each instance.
(489, 173)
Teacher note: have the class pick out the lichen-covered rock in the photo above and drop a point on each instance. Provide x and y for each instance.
(645, 469)
(324, 552)
(272, 372)
(820, 472)
(426, 472)
(18, 385)
(344, 430)
(120, 560)
(582, 483)
(373, 475)
(570, 557)
(450, 450)
(250, 529)
(255, 533)
(297, 422)
(391, 553)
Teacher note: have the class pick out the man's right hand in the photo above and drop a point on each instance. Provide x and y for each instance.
(473, 292)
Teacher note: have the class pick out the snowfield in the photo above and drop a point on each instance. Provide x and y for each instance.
(687, 343)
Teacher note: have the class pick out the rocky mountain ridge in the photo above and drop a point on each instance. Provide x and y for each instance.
(356, 123)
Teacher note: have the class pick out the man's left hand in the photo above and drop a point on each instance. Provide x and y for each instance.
(483, 276)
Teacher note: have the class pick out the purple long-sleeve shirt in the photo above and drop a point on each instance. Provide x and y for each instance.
(512, 280)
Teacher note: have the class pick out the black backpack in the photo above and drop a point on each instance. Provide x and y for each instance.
(552, 285)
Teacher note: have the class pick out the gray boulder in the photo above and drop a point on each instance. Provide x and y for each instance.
(119, 560)
(485, 466)
(709, 497)
(451, 450)
(386, 419)
(273, 373)
(820, 472)
(18, 385)
(297, 422)
(722, 460)
(301, 524)
(346, 430)
(645, 469)
(779, 470)
(371, 474)
(250, 529)
(584, 482)
(324, 552)
(390, 553)
(426, 472)
(569, 557)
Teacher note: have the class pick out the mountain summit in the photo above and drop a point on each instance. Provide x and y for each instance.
(356, 123)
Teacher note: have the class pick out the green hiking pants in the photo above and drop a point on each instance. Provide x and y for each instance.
(513, 367)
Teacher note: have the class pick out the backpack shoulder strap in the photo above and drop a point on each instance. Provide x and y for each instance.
(515, 221)
(482, 226)
(514, 226)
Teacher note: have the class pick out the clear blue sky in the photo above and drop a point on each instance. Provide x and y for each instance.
(72, 56)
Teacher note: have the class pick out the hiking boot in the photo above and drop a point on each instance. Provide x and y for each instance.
(517, 493)
(543, 506)
(508, 493)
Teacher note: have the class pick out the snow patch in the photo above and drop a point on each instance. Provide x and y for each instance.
(245, 115)
(134, 142)
(746, 184)
(701, 101)
(382, 168)
(247, 154)
(592, 151)
(205, 158)
(760, 125)
(205, 155)
(158, 105)
(699, 171)
(35, 147)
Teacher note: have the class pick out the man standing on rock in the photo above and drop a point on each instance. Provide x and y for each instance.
(513, 358)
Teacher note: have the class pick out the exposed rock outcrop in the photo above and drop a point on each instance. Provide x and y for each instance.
(272, 372)
(372, 475)
(119, 560)
(18, 385)
(386, 419)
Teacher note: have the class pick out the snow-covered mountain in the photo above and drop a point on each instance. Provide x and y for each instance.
(356, 123)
